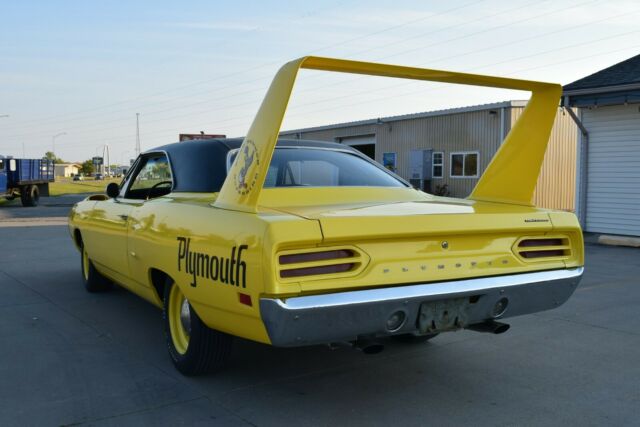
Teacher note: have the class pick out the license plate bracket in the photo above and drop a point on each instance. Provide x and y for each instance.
(444, 315)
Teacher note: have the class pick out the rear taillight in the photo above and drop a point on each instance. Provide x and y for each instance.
(312, 271)
(317, 263)
(315, 256)
(543, 248)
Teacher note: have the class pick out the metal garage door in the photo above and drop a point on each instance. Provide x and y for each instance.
(366, 144)
(613, 185)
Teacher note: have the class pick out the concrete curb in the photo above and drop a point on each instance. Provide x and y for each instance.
(633, 242)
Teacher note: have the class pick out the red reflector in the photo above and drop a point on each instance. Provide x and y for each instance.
(245, 299)
(315, 256)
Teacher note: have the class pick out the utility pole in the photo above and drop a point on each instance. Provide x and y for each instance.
(108, 157)
(137, 134)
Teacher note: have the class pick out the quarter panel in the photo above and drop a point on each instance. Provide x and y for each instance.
(212, 254)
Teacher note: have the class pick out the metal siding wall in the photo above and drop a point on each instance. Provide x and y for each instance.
(469, 131)
(613, 182)
(556, 183)
(333, 135)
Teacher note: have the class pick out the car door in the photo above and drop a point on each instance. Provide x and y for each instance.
(107, 235)
(154, 179)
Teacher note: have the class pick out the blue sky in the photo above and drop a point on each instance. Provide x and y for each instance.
(86, 68)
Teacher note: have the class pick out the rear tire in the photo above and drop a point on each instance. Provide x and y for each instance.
(92, 279)
(30, 195)
(194, 348)
(414, 338)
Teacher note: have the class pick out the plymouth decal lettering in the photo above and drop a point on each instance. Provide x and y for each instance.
(228, 271)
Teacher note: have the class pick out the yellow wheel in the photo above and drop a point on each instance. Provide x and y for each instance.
(194, 348)
(179, 320)
(85, 264)
(93, 280)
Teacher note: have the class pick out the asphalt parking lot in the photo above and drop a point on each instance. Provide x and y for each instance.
(72, 358)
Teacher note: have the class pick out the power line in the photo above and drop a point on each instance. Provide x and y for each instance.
(272, 63)
(92, 128)
(349, 79)
(410, 93)
(304, 16)
(351, 95)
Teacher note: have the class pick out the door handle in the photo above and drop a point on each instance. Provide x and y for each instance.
(124, 217)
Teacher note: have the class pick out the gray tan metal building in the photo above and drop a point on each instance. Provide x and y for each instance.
(447, 150)
(608, 102)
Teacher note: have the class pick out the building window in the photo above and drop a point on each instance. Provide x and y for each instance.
(464, 165)
(437, 164)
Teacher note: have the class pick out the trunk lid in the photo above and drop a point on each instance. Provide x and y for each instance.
(424, 218)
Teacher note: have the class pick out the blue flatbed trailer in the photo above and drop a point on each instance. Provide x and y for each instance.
(27, 178)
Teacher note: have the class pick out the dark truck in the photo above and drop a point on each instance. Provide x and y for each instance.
(27, 178)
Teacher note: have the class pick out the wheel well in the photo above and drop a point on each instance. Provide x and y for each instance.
(77, 238)
(159, 280)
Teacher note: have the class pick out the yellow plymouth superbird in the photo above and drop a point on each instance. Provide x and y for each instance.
(294, 243)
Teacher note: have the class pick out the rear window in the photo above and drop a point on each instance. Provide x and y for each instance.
(308, 167)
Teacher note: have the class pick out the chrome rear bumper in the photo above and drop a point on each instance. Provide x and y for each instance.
(344, 316)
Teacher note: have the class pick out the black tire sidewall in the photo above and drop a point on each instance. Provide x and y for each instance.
(35, 195)
(25, 196)
(207, 350)
(29, 195)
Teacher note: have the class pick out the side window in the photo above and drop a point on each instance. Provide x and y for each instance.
(152, 178)
(1, 164)
(464, 165)
(437, 164)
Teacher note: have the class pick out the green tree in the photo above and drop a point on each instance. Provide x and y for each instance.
(52, 156)
(87, 167)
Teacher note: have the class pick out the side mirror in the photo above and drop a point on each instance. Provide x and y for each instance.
(113, 190)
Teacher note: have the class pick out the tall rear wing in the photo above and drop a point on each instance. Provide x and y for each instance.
(510, 177)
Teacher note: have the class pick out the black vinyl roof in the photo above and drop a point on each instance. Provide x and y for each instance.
(201, 165)
(622, 73)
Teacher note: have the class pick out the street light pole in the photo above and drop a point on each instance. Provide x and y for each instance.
(53, 141)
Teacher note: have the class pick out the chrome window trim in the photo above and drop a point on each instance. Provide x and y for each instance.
(136, 169)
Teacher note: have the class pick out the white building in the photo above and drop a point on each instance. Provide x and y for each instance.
(66, 169)
(608, 166)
